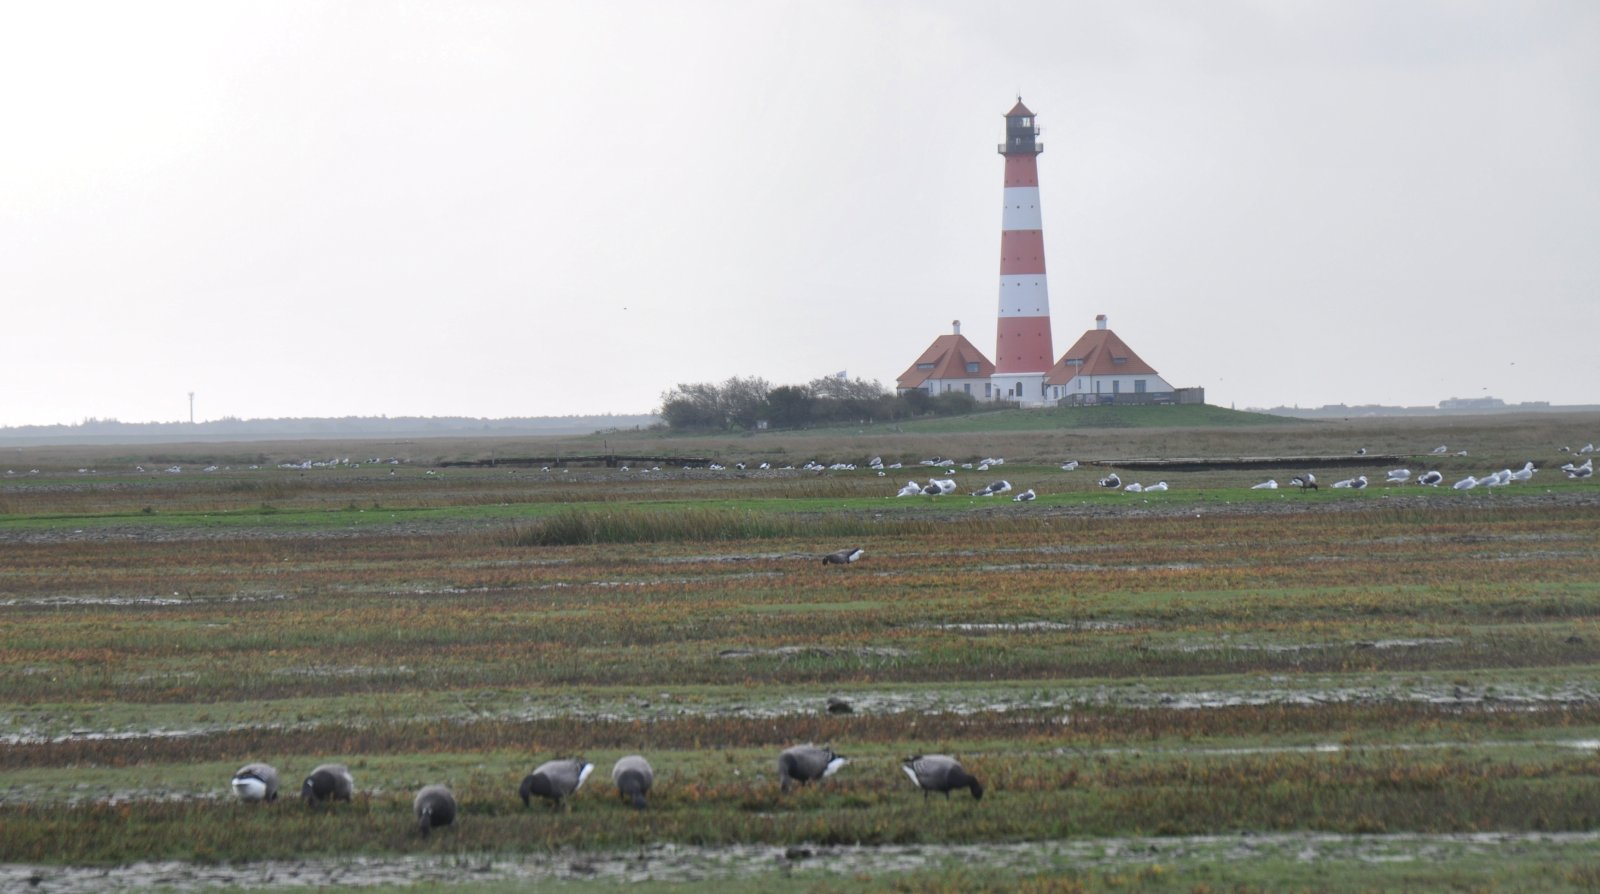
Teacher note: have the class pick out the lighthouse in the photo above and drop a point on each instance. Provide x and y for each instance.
(1023, 355)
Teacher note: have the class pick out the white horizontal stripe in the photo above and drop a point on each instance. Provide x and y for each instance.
(1024, 296)
(1022, 209)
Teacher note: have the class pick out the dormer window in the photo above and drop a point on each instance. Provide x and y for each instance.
(972, 367)
(925, 366)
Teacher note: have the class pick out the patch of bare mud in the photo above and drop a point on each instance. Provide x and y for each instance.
(689, 864)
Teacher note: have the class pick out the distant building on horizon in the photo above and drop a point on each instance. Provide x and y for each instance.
(1099, 367)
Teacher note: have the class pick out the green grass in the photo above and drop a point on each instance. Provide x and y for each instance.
(1189, 671)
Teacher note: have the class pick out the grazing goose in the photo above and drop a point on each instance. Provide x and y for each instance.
(328, 782)
(1158, 487)
(1467, 483)
(1307, 481)
(807, 763)
(555, 780)
(940, 773)
(633, 777)
(1024, 497)
(256, 782)
(1269, 484)
(435, 806)
(1111, 481)
(843, 556)
(1134, 488)
(1398, 476)
(1431, 478)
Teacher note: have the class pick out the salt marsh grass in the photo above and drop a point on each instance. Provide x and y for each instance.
(1209, 662)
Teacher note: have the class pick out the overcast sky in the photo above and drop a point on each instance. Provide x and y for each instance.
(543, 208)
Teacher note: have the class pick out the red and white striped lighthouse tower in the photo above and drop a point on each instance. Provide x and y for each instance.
(1023, 355)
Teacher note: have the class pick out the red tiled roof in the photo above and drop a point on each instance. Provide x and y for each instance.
(1101, 353)
(946, 358)
(1019, 110)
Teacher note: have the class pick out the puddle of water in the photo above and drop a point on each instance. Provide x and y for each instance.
(1036, 625)
(1309, 647)
(1045, 698)
(682, 863)
(819, 651)
(50, 601)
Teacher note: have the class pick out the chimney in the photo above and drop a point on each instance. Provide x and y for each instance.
(1100, 321)
(956, 326)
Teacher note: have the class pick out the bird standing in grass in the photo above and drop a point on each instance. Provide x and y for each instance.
(633, 777)
(434, 806)
(555, 780)
(843, 556)
(256, 782)
(940, 773)
(807, 763)
(328, 782)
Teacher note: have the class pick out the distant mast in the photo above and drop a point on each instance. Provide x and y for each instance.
(1023, 353)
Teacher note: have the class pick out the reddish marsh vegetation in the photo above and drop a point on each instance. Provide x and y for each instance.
(1206, 661)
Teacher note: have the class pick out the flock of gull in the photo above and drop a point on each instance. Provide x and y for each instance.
(1308, 481)
(557, 780)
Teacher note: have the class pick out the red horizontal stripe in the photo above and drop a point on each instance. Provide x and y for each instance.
(1021, 251)
(1022, 170)
(1023, 346)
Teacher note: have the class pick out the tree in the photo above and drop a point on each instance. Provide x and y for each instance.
(789, 406)
(744, 401)
(692, 406)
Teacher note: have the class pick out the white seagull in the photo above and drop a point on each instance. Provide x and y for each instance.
(1069, 466)
(1024, 497)
(1524, 473)
(1111, 481)
(1398, 476)
(1440, 450)
(1431, 479)
(1269, 484)
(1467, 483)
(910, 489)
(1133, 488)
(1158, 487)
